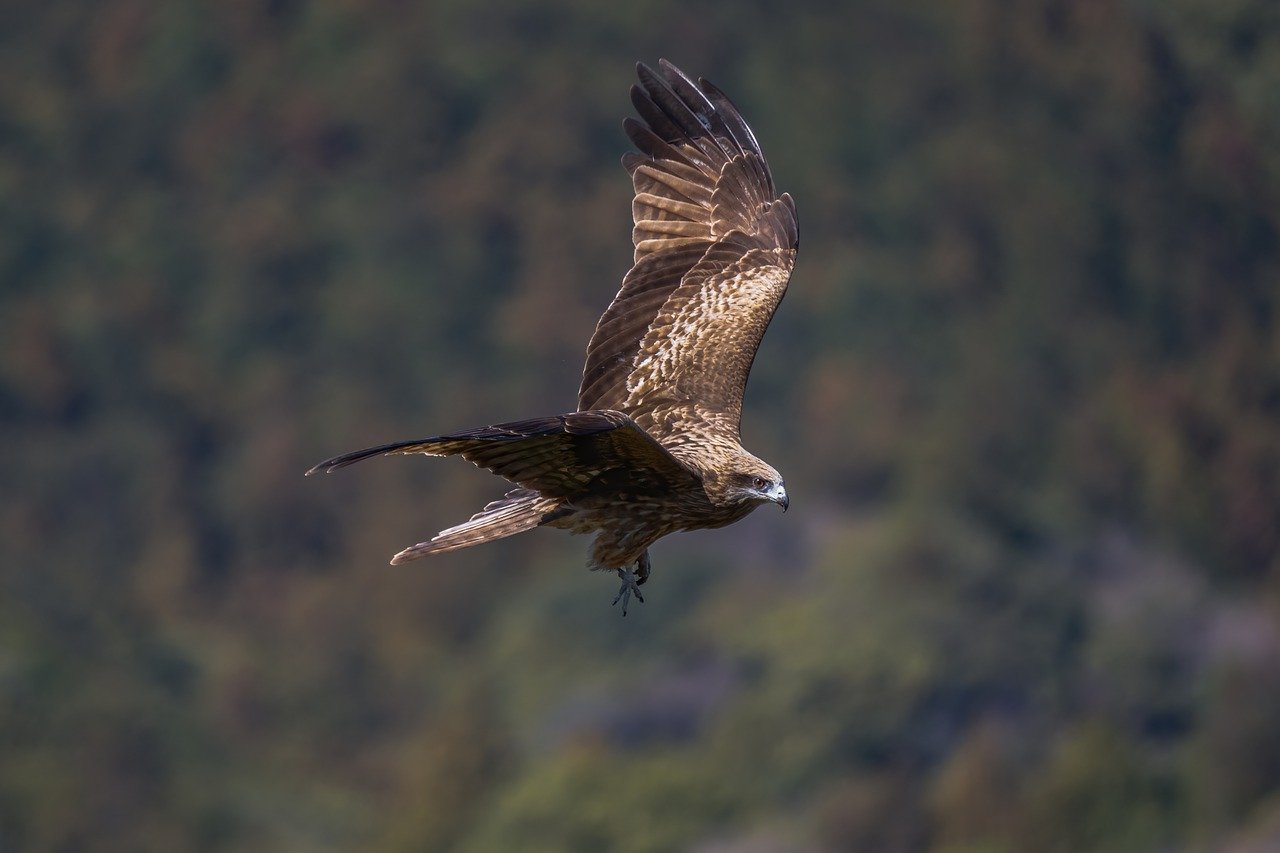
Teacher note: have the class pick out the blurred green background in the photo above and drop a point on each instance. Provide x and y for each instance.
(1025, 391)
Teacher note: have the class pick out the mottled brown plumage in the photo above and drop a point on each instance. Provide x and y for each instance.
(654, 447)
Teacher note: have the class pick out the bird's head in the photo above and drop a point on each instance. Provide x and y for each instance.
(757, 481)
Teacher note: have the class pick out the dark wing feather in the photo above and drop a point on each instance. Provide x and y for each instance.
(562, 457)
(714, 249)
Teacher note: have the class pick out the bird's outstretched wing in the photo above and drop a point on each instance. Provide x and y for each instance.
(564, 456)
(714, 248)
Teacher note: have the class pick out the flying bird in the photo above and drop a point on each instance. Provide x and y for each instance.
(654, 446)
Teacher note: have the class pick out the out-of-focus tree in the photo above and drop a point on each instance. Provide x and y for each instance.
(1025, 390)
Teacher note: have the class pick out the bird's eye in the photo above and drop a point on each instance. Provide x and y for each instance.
(758, 482)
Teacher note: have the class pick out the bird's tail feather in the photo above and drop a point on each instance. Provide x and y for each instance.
(519, 510)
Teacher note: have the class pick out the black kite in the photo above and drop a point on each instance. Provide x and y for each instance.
(654, 446)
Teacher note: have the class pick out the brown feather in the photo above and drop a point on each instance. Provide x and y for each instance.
(611, 354)
(519, 510)
(714, 250)
(558, 456)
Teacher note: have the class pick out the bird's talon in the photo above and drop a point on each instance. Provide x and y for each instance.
(629, 588)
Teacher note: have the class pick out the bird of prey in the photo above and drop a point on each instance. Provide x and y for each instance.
(654, 446)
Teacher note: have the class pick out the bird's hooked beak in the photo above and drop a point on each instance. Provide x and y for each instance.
(778, 494)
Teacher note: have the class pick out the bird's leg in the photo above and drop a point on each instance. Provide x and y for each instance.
(642, 568)
(631, 582)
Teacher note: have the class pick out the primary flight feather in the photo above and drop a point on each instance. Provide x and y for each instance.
(654, 447)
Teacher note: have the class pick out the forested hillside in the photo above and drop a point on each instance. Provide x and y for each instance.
(1025, 391)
